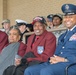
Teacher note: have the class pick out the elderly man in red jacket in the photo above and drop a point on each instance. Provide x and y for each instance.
(3, 40)
(45, 44)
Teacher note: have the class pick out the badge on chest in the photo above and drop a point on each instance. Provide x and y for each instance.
(40, 49)
(73, 37)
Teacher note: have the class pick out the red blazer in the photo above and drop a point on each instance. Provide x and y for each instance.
(3, 40)
(22, 49)
(46, 43)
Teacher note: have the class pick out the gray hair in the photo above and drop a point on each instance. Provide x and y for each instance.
(16, 28)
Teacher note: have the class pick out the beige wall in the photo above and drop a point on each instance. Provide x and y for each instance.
(27, 9)
(1, 11)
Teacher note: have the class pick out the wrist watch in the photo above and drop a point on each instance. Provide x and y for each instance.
(65, 60)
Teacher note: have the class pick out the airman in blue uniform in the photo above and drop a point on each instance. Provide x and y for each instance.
(66, 50)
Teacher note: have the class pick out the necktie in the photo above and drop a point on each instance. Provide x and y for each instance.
(68, 32)
(37, 37)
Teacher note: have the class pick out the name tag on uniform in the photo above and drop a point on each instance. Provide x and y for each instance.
(40, 49)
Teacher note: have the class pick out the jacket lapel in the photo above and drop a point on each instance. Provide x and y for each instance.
(39, 40)
(31, 41)
(70, 34)
(63, 40)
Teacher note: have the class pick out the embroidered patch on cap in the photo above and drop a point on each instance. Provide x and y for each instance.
(66, 6)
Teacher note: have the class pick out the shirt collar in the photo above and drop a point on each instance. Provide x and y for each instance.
(72, 28)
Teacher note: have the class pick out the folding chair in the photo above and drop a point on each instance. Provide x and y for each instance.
(67, 68)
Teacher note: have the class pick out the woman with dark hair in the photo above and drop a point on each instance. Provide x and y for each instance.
(57, 22)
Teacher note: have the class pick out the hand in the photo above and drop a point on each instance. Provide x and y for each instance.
(29, 59)
(17, 61)
(55, 59)
(28, 29)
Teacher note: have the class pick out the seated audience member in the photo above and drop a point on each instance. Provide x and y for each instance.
(65, 52)
(57, 22)
(40, 46)
(15, 48)
(3, 40)
(22, 25)
(49, 22)
(6, 25)
(39, 43)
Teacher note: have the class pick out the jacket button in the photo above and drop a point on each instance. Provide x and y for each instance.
(61, 52)
(63, 47)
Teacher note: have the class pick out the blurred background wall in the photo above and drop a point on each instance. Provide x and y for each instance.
(28, 9)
